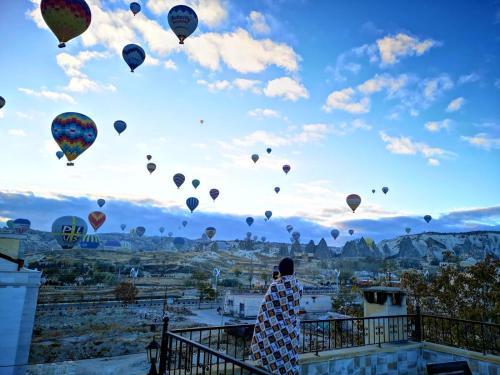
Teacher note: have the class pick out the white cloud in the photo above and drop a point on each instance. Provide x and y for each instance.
(287, 88)
(264, 112)
(344, 100)
(25, 116)
(433, 162)
(248, 85)
(406, 146)
(51, 95)
(455, 104)
(345, 128)
(436, 126)
(468, 78)
(210, 12)
(17, 132)
(170, 64)
(151, 61)
(79, 84)
(483, 140)
(216, 85)
(258, 23)
(433, 87)
(382, 82)
(392, 48)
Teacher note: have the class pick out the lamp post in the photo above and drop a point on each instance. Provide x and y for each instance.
(152, 351)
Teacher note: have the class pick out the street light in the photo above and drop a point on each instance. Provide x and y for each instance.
(152, 351)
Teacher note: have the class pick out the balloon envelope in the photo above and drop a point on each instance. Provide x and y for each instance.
(74, 133)
(192, 203)
(268, 214)
(255, 157)
(214, 193)
(277, 189)
(66, 18)
(268, 150)
(210, 232)
(21, 226)
(351, 231)
(90, 241)
(353, 201)
(427, 218)
(96, 219)
(140, 231)
(120, 126)
(407, 230)
(184, 223)
(196, 183)
(101, 202)
(296, 236)
(68, 230)
(133, 55)
(249, 220)
(373, 191)
(335, 233)
(179, 179)
(2, 102)
(183, 21)
(161, 229)
(148, 157)
(123, 226)
(135, 7)
(59, 154)
(151, 167)
(385, 189)
(286, 168)
(289, 228)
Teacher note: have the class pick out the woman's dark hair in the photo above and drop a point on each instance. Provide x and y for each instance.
(286, 267)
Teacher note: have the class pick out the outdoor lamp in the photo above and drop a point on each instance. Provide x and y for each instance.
(152, 351)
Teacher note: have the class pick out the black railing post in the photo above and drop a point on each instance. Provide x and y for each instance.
(164, 347)
(418, 324)
(483, 339)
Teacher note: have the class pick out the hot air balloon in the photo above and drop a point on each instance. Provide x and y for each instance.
(161, 229)
(249, 234)
(263, 238)
(183, 21)
(249, 221)
(135, 7)
(101, 202)
(351, 231)
(214, 193)
(427, 218)
(66, 18)
(21, 226)
(140, 231)
(148, 157)
(196, 183)
(59, 154)
(184, 223)
(210, 232)
(192, 203)
(2, 102)
(133, 55)
(286, 168)
(151, 167)
(179, 242)
(353, 201)
(123, 226)
(335, 233)
(255, 238)
(10, 224)
(277, 189)
(90, 241)
(96, 219)
(268, 150)
(385, 189)
(202, 121)
(255, 157)
(120, 126)
(179, 179)
(74, 133)
(373, 191)
(170, 234)
(68, 230)
(407, 230)
(268, 214)
(296, 236)
(289, 228)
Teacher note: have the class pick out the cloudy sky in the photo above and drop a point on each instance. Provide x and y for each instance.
(353, 96)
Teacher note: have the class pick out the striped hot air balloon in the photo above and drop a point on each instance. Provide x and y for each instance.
(192, 203)
(90, 241)
(353, 201)
(179, 179)
(210, 232)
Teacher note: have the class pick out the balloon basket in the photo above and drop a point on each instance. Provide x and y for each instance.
(70, 164)
(62, 45)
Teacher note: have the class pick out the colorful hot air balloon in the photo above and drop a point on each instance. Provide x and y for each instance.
(353, 201)
(196, 183)
(74, 133)
(68, 230)
(66, 18)
(151, 167)
(161, 229)
(59, 154)
(179, 242)
(210, 232)
(427, 218)
(214, 193)
(249, 221)
(133, 55)
(192, 203)
(268, 150)
(96, 219)
(289, 228)
(101, 202)
(277, 189)
(255, 157)
(286, 168)
(407, 230)
(373, 191)
(335, 233)
(90, 241)
(268, 214)
(179, 179)
(2, 102)
(296, 236)
(184, 223)
(120, 126)
(183, 21)
(148, 157)
(140, 231)
(385, 189)
(351, 231)
(21, 226)
(135, 7)
(123, 226)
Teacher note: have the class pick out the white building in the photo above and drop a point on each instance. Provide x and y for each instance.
(469, 262)
(18, 296)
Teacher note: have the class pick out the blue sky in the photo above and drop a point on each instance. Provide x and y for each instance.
(352, 96)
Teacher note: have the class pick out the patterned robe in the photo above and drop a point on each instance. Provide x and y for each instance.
(276, 336)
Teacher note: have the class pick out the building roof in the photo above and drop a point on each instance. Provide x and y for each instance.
(387, 289)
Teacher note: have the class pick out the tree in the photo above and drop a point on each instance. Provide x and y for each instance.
(237, 272)
(126, 292)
